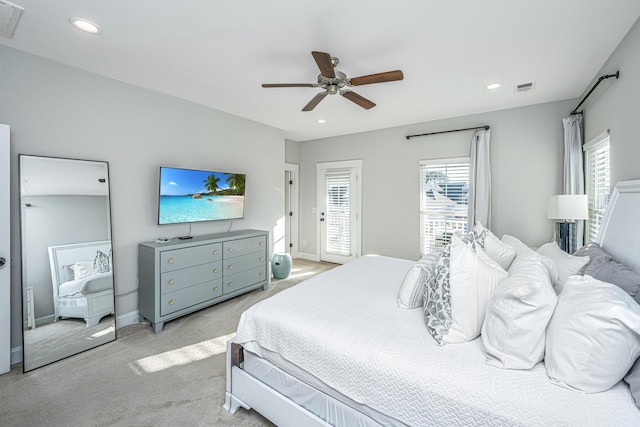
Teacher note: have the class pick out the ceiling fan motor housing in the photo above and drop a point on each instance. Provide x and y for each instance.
(333, 85)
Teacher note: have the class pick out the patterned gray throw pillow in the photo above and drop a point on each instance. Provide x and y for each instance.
(475, 238)
(101, 263)
(437, 297)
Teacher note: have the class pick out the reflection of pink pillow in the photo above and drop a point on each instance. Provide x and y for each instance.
(82, 269)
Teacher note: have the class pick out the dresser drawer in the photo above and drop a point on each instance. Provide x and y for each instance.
(174, 301)
(172, 281)
(181, 258)
(238, 247)
(245, 262)
(241, 280)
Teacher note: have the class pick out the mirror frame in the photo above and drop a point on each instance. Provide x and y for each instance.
(100, 337)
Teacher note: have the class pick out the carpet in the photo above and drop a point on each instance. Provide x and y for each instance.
(174, 378)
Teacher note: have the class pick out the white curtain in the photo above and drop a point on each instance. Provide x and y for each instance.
(573, 178)
(480, 180)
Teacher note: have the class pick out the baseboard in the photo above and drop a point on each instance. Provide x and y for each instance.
(309, 257)
(16, 355)
(127, 319)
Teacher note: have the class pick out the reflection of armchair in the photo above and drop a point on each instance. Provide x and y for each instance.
(89, 297)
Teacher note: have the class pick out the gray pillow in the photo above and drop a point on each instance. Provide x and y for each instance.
(633, 379)
(591, 250)
(606, 268)
(68, 273)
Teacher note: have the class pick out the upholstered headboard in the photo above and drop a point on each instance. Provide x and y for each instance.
(619, 233)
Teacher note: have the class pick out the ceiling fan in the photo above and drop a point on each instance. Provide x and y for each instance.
(337, 82)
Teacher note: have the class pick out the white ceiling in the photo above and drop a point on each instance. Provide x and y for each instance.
(217, 53)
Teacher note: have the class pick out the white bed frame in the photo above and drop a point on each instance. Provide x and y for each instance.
(92, 307)
(619, 235)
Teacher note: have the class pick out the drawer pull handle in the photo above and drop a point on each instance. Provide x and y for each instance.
(170, 260)
(261, 243)
(230, 249)
(230, 284)
(171, 282)
(261, 258)
(215, 270)
(171, 302)
(215, 252)
(261, 274)
(215, 289)
(230, 267)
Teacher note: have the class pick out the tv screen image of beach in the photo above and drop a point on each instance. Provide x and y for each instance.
(188, 195)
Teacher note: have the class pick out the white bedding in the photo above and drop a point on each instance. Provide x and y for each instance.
(90, 284)
(345, 330)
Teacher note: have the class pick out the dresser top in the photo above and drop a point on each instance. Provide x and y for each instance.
(177, 242)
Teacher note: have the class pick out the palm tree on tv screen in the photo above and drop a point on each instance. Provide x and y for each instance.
(211, 183)
(236, 181)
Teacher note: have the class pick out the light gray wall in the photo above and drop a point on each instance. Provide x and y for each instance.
(292, 151)
(52, 221)
(615, 105)
(526, 161)
(60, 111)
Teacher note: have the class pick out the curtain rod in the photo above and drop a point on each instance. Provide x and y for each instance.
(485, 127)
(608, 76)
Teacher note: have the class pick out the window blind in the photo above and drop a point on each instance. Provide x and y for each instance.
(444, 198)
(338, 212)
(598, 185)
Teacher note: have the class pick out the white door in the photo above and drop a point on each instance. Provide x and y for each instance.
(5, 273)
(339, 190)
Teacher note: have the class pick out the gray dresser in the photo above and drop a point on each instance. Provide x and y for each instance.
(182, 276)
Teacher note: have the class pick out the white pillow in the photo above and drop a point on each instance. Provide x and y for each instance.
(593, 338)
(82, 269)
(497, 250)
(412, 289)
(567, 265)
(457, 291)
(513, 333)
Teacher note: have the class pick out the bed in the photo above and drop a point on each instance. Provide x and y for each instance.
(82, 279)
(307, 357)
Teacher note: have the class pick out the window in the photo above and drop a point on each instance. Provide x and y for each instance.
(444, 197)
(338, 212)
(597, 177)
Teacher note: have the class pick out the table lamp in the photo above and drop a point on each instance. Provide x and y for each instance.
(566, 209)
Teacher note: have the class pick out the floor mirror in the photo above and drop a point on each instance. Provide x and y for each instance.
(67, 258)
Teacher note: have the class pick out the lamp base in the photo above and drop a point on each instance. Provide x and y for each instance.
(566, 236)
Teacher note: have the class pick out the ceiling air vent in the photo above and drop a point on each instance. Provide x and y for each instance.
(524, 87)
(9, 16)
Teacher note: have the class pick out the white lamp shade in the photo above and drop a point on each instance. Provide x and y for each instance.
(568, 207)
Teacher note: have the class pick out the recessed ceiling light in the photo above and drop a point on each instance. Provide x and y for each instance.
(85, 25)
(321, 121)
(493, 86)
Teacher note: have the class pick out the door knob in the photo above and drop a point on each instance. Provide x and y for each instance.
(2, 262)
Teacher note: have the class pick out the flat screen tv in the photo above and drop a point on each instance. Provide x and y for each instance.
(189, 195)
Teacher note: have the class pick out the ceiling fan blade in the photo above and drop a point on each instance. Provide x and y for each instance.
(315, 101)
(388, 76)
(358, 99)
(289, 85)
(323, 60)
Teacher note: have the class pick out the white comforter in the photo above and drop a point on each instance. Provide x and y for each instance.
(81, 287)
(344, 328)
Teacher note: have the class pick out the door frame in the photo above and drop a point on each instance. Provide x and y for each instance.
(356, 205)
(291, 232)
(5, 252)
